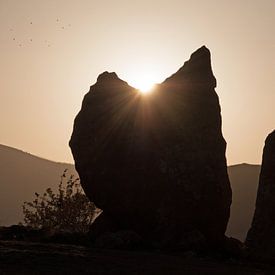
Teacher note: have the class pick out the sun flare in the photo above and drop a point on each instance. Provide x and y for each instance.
(144, 82)
(145, 87)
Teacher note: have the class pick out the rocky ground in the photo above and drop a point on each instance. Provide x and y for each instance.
(19, 257)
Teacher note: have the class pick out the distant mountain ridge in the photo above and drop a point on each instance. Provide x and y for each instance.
(13, 150)
(22, 174)
(244, 180)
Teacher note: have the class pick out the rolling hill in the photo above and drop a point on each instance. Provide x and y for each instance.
(22, 174)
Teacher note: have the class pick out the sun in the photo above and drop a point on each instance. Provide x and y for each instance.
(144, 81)
(145, 87)
(143, 75)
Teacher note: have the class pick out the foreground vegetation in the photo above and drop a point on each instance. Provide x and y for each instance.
(68, 210)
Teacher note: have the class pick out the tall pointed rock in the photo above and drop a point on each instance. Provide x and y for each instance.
(261, 236)
(156, 164)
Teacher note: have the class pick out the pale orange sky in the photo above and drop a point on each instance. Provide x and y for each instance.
(61, 46)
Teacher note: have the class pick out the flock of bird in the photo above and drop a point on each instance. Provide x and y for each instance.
(30, 40)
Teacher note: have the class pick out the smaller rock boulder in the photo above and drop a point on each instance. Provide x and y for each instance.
(261, 236)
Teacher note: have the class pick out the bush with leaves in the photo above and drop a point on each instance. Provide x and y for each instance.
(69, 210)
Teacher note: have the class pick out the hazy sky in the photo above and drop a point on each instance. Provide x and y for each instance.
(52, 51)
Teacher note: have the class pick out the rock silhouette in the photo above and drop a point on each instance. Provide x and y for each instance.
(156, 164)
(261, 236)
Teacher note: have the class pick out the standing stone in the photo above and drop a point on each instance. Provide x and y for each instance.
(156, 164)
(261, 236)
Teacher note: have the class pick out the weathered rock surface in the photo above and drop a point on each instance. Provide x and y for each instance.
(261, 236)
(156, 164)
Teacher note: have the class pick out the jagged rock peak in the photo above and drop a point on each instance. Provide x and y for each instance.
(196, 70)
(200, 52)
(107, 81)
(106, 76)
